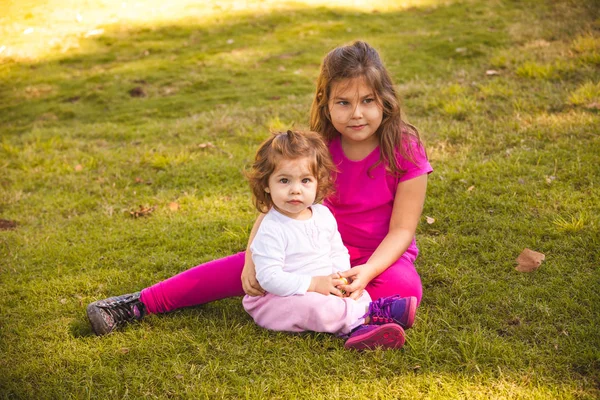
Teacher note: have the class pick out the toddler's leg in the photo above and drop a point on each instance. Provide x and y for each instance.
(310, 312)
(400, 278)
(204, 283)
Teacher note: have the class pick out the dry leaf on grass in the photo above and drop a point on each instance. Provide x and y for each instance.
(137, 92)
(429, 220)
(492, 72)
(6, 225)
(142, 211)
(212, 146)
(173, 206)
(529, 260)
(79, 167)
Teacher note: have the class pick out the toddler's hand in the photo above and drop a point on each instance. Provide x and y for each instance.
(325, 285)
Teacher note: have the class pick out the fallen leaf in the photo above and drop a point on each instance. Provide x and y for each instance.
(137, 92)
(461, 49)
(550, 178)
(529, 260)
(173, 206)
(6, 225)
(124, 350)
(492, 72)
(142, 211)
(470, 188)
(230, 41)
(179, 376)
(593, 106)
(205, 145)
(429, 220)
(79, 167)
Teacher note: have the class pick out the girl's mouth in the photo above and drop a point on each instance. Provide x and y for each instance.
(357, 127)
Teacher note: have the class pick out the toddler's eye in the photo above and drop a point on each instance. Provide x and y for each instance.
(306, 180)
(283, 180)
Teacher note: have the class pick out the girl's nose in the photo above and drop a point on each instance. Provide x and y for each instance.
(357, 112)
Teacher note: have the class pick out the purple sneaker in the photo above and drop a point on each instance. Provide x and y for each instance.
(107, 315)
(388, 336)
(400, 310)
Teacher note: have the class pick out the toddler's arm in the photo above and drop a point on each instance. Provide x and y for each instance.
(268, 254)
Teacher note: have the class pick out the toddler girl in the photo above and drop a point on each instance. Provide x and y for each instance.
(298, 251)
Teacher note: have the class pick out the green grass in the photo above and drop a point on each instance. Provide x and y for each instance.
(515, 154)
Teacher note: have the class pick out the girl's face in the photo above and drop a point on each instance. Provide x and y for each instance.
(293, 188)
(354, 113)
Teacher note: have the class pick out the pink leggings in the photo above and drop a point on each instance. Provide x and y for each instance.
(220, 279)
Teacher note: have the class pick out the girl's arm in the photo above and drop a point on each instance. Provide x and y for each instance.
(249, 282)
(408, 205)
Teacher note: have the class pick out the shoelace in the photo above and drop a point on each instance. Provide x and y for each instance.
(379, 310)
(122, 311)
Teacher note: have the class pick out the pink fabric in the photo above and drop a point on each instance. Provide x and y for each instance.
(208, 282)
(362, 207)
(400, 278)
(364, 198)
(309, 312)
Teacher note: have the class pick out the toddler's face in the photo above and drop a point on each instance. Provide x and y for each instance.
(293, 188)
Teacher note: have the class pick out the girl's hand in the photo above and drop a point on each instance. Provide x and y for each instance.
(359, 276)
(326, 285)
(249, 282)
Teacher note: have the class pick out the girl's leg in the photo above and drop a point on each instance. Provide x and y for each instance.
(310, 312)
(208, 282)
(400, 278)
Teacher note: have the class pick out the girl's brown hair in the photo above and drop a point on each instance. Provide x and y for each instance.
(290, 145)
(359, 60)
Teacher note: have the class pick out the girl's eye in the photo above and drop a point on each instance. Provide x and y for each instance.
(306, 180)
(283, 180)
(367, 101)
(343, 103)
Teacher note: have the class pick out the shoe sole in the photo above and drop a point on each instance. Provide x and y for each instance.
(412, 311)
(388, 336)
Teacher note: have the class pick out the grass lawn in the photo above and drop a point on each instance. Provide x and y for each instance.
(106, 106)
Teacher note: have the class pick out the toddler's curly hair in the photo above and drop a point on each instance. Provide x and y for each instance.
(290, 145)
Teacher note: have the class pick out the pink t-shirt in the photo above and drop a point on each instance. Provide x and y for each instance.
(363, 200)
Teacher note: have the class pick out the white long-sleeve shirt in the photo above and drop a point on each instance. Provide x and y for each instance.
(287, 253)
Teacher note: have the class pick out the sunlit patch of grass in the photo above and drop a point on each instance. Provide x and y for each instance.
(459, 109)
(536, 70)
(572, 223)
(587, 93)
(588, 48)
(36, 30)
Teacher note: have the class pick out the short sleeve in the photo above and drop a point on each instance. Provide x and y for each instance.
(419, 166)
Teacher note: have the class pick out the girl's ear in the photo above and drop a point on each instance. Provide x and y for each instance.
(267, 190)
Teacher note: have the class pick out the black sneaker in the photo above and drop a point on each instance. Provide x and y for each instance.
(108, 314)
